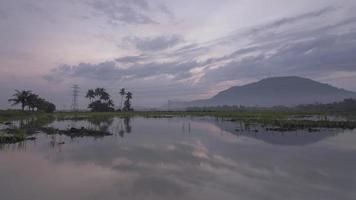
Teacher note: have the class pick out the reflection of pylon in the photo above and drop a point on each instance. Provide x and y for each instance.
(75, 97)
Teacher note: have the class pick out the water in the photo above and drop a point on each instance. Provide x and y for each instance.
(180, 158)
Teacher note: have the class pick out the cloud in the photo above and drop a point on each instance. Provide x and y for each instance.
(311, 51)
(156, 43)
(110, 71)
(123, 11)
(131, 59)
(165, 10)
(102, 71)
(3, 15)
(274, 27)
(37, 9)
(318, 50)
(293, 19)
(323, 53)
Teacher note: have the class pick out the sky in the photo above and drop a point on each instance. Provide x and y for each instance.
(164, 50)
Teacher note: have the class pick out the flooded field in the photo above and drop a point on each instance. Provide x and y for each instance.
(174, 158)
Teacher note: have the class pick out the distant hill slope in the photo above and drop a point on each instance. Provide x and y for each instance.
(275, 91)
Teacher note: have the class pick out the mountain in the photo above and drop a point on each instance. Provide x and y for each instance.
(287, 91)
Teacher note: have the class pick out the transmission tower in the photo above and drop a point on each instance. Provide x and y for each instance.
(75, 93)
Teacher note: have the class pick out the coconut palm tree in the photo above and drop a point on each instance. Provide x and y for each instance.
(90, 95)
(122, 93)
(128, 95)
(21, 97)
(33, 101)
(100, 100)
(127, 104)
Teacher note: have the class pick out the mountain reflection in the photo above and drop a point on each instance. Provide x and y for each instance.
(162, 163)
(296, 137)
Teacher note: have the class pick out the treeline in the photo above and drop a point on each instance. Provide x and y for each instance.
(100, 100)
(347, 105)
(32, 101)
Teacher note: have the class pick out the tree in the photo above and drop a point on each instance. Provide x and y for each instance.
(127, 103)
(21, 97)
(122, 93)
(46, 106)
(33, 101)
(100, 100)
(90, 95)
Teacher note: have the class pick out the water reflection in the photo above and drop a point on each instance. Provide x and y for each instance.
(125, 127)
(156, 159)
(276, 137)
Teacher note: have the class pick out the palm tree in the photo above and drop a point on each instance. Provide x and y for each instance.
(110, 103)
(100, 100)
(122, 93)
(129, 96)
(127, 104)
(21, 97)
(33, 101)
(90, 95)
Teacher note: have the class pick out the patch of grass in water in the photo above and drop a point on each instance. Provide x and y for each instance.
(74, 132)
(14, 138)
(309, 124)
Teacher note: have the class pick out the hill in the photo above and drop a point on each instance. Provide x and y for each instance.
(286, 91)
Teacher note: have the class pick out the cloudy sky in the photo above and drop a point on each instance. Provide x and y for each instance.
(171, 50)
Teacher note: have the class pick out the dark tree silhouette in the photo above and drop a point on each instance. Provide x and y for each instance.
(32, 101)
(90, 95)
(100, 100)
(127, 103)
(20, 97)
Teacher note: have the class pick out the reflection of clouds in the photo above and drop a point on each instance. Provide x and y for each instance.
(344, 141)
(154, 187)
(214, 130)
(171, 147)
(38, 178)
(200, 150)
(204, 161)
(167, 164)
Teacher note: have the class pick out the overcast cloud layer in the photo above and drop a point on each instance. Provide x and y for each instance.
(171, 50)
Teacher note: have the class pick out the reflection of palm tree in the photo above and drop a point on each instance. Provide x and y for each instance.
(125, 127)
(127, 124)
(122, 93)
(101, 123)
(121, 132)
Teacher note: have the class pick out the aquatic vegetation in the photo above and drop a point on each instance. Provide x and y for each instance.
(310, 125)
(14, 138)
(74, 132)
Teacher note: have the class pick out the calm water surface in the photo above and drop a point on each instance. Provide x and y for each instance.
(180, 158)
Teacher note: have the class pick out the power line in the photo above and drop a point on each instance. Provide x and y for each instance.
(75, 93)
